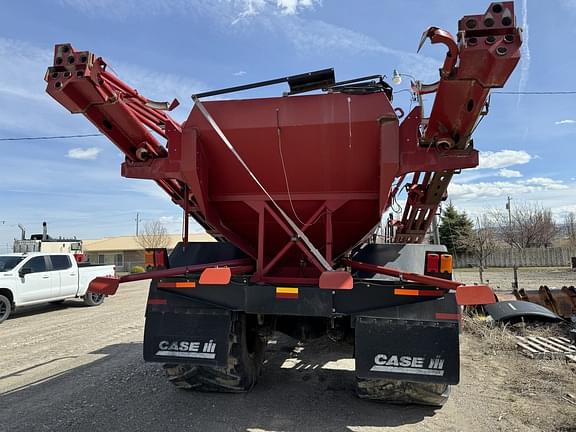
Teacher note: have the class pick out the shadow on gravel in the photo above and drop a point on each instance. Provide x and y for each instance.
(121, 392)
(43, 308)
(22, 371)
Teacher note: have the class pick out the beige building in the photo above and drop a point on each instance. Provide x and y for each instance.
(125, 252)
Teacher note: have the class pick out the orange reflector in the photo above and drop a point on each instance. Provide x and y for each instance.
(216, 276)
(406, 292)
(183, 284)
(104, 285)
(422, 293)
(287, 292)
(446, 263)
(336, 280)
(474, 295)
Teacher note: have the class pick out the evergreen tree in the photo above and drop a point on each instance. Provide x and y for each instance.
(454, 226)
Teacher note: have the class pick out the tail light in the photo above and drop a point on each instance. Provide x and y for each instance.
(438, 264)
(156, 258)
(148, 258)
(432, 263)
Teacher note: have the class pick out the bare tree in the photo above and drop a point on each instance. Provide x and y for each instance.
(527, 225)
(154, 235)
(570, 226)
(480, 242)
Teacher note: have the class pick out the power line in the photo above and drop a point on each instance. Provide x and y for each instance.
(567, 92)
(50, 137)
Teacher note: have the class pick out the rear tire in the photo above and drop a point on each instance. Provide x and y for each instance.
(245, 358)
(5, 308)
(92, 299)
(403, 392)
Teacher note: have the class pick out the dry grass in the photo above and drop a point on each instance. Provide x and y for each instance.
(534, 386)
(495, 338)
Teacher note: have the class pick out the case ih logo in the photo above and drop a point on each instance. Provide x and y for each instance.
(191, 349)
(408, 365)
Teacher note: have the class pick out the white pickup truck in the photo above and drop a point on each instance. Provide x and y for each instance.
(31, 278)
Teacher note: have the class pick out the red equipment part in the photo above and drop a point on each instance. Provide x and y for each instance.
(109, 285)
(487, 52)
(465, 294)
(328, 162)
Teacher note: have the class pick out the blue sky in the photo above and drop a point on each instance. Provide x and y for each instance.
(173, 48)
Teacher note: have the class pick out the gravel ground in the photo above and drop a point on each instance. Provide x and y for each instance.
(73, 368)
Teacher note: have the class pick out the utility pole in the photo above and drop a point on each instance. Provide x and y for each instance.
(514, 266)
(138, 220)
(509, 208)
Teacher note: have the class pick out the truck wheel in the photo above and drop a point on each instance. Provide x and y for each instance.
(403, 392)
(5, 308)
(245, 358)
(93, 299)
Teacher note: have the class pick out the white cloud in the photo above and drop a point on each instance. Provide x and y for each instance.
(237, 8)
(555, 195)
(169, 220)
(280, 16)
(89, 153)
(291, 7)
(567, 121)
(545, 182)
(20, 62)
(22, 89)
(23, 65)
(239, 73)
(503, 158)
(505, 172)
(474, 191)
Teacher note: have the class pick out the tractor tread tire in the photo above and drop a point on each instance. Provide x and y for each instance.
(403, 392)
(239, 376)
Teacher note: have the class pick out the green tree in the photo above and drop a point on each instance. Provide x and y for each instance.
(454, 226)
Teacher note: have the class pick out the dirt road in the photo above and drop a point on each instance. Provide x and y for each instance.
(80, 369)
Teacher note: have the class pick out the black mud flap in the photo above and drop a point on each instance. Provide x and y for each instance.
(190, 335)
(414, 342)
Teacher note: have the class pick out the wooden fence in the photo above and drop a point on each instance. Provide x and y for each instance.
(533, 257)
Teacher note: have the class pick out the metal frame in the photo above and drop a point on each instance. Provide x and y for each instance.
(482, 57)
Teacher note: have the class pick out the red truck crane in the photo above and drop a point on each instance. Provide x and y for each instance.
(293, 188)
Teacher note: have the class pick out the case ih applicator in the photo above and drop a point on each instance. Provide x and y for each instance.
(293, 188)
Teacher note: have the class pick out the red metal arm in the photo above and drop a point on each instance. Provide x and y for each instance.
(465, 294)
(109, 285)
(82, 84)
(487, 52)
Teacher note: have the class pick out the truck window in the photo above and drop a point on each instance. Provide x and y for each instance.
(9, 262)
(60, 262)
(37, 264)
